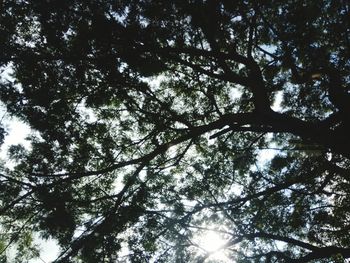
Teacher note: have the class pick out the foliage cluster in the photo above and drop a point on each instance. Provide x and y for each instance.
(150, 118)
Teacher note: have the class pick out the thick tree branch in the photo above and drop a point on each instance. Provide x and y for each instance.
(322, 253)
(242, 118)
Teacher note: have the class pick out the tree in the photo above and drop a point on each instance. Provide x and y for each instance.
(118, 164)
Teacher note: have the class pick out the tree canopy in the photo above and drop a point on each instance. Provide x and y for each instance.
(150, 121)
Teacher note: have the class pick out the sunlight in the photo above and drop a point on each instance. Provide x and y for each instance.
(212, 242)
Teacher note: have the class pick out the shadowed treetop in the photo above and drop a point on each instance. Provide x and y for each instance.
(150, 119)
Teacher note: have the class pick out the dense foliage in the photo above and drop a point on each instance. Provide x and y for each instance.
(150, 121)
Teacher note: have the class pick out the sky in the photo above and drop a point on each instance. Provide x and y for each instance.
(17, 131)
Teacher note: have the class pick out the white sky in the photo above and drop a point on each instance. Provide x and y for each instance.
(17, 132)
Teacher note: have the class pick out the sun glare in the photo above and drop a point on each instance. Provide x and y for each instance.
(212, 242)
